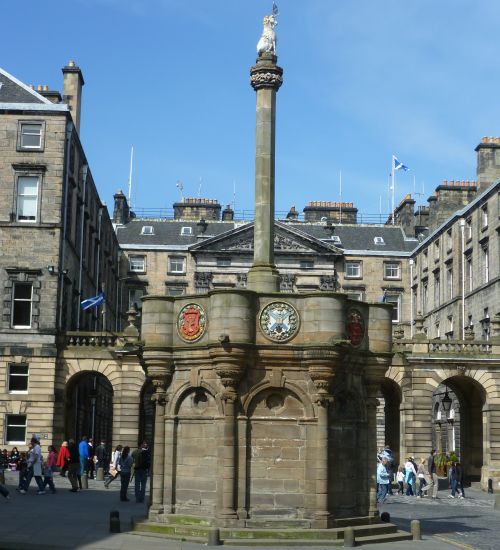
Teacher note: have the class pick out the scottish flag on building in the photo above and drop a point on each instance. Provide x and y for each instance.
(93, 302)
(399, 165)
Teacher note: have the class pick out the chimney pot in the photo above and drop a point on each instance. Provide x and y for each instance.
(484, 139)
(71, 64)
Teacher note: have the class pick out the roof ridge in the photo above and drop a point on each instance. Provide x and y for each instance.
(24, 86)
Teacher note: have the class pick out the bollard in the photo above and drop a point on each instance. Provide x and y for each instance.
(85, 481)
(496, 506)
(213, 536)
(385, 517)
(349, 540)
(114, 521)
(99, 476)
(490, 485)
(415, 529)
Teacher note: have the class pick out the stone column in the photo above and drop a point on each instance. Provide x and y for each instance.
(322, 373)
(371, 418)
(229, 365)
(266, 78)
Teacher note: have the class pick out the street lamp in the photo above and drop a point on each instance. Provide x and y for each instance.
(446, 402)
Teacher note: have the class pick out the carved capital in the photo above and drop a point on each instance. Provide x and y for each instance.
(230, 365)
(266, 76)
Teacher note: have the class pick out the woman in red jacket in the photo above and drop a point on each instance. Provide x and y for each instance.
(63, 458)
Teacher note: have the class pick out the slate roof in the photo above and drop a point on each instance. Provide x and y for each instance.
(167, 234)
(13, 90)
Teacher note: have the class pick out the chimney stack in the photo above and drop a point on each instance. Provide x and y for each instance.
(72, 91)
(488, 162)
(121, 212)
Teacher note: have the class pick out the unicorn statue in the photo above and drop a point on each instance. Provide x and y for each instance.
(267, 42)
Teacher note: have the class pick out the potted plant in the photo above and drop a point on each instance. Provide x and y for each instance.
(441, 460)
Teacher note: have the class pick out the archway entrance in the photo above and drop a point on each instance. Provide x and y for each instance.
(388, 417)
(458, 422)
(89, 407)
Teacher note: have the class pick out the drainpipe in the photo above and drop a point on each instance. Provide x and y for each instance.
(85, 170)
(411, 262)
(462, 230)
(62, 255)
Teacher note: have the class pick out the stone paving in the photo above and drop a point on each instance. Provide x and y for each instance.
(81, 520)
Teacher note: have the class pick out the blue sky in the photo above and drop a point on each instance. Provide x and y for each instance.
(363, 79)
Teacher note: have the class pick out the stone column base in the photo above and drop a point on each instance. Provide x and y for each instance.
(263, 278)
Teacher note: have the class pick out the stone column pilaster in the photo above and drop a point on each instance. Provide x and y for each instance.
(266, 78)
(371, 462)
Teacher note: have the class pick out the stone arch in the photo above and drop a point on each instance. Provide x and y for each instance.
(293, 389)
(389, 417)
(183, 391)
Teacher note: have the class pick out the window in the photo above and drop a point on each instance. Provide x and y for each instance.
(425, 260)
(353, 270)
(306, 264)
(355, 295)
(134, 297)
(449, 283)
(486, 264)
(484, 216)
(395, 300)
(21, 305)
(18, 378)
(378, 240)
(137, 264)
(425, 296)
(175, 291)
(436, 250)
(438, 330)
(176, 264)
(449, 240)
(450, 325)
(186, 231)
(392, 270)
(147, 230)
(468, 272)
(30, 135)
(16, 429)
(468, 228)
(437, 289)
(485, 325)
(223, 262)
(27, 198)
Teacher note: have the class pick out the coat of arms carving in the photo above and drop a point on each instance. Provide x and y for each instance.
(355, 327)
(279, 321)
(191, 323)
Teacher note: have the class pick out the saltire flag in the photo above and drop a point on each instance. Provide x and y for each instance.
(93, 302)
(399, 165)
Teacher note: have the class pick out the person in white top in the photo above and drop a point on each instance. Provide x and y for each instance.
(35, 461)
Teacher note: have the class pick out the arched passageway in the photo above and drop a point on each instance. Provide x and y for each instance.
(89, 407)
(457, 405)
(389, 418)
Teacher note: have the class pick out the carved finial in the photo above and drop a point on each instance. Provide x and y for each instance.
(267, 42)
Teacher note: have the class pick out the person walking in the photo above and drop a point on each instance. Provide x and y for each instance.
(142, 464)
(114, 466)
(83, 450)
(453, 479)
(34, 465)
(48, 470)
(421, 473)
(74, 467)
(383, 480)
(410, 478)
(400, 477)
(460, 479)
(90, 459)
(126, 462)
(63, 458)
(431, 466)
(102, 459)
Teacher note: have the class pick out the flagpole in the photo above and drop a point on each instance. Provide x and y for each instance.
(392, 185)
(340, 184)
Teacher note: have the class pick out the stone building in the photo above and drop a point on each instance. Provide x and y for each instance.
(57, 247)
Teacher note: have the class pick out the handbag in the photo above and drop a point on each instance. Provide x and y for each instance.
(112, 470)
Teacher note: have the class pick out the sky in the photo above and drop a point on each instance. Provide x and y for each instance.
(363, 80)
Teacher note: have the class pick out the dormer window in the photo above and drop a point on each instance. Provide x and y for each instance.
(186, 231)
(378, 240)
(147, 230)
(336, 239)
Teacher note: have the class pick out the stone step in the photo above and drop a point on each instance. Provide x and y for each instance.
(387, 537)
(271, 523)
(180, 519)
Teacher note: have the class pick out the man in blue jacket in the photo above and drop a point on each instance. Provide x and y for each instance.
(383, 480)
(83, 449)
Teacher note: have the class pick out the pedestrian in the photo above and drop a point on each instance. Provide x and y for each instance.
(114, 466)
(383, 480)
(460, 479)
(4, 460)
(421, 473)
(83, 450)
(23, 470)
(453, 479)
(142, 464)
(34, 464)
(433, 483)
(410, 478)
(63, 458)
(90, 459)
(14, 459)
(102, 458)
(400, 477)
(126, 463)
(74, 467)
(48, 470)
